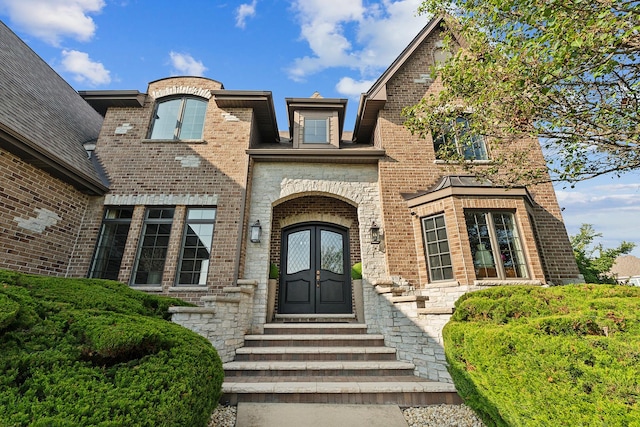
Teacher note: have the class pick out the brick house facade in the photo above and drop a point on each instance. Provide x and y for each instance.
(178, 176)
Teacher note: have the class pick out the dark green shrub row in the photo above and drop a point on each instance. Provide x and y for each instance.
(78, 352)
(560, 356)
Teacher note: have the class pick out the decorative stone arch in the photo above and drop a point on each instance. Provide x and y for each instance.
(181, 90)
(293, 188)
(314, 207)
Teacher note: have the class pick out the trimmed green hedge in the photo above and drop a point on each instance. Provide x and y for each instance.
(79, 352)
(560, 356)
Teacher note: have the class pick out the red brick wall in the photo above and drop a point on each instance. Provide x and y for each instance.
(136, 165)
(410, 166)
(23, 189)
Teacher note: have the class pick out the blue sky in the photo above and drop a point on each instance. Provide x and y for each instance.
(289, 47)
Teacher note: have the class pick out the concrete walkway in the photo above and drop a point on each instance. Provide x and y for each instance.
(318, 415)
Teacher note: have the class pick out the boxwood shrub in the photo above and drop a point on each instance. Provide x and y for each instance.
(79, 352)
(560, 356)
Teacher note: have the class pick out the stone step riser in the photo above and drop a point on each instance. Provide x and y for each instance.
(308, 331)
(323, 374)
(403, 399)
(369, 342)
(315, 356)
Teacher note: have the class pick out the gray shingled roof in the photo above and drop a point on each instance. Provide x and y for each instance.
(626, 266)
(41, 114)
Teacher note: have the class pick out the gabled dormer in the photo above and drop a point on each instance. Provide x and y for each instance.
(316, 122)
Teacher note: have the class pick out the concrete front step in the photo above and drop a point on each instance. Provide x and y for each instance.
(318, 369)
(314, 328)
(315, 318)
(308, 340)
(326, 363)
(315, 353)
(409, 393)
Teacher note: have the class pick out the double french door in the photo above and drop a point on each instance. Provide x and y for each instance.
(315, 275)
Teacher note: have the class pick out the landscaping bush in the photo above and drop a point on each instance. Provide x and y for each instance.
(560, 356)
(79, 352)
(356, 271)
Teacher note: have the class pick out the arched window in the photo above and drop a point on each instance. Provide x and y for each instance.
(179, 118)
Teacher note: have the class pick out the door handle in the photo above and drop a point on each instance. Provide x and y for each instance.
(317, 278)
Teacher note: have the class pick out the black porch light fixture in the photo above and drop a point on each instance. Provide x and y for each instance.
(375, 233)
(256, 232)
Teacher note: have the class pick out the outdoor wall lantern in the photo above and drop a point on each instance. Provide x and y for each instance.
(256, 232)
(375, 233)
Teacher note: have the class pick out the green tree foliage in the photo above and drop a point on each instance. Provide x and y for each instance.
(595, 261)
(567, 72)
(558, 356)
(85, 352)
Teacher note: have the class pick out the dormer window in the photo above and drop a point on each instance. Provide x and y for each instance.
(316, 131)
(316, 122)
(179, 119)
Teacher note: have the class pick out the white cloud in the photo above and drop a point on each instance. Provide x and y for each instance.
(244, 11)
(84, 69)
(185, 64)
(352, 88)
(53, 20)
(612, 209)
(348, 34)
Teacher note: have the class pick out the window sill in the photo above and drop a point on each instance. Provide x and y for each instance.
(179, 288)
(477, 162)
(444, 284)
(174, 141)
(147, 288)
(502, 282)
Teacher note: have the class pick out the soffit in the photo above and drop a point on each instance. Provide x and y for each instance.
(101, 100)
(263, 110)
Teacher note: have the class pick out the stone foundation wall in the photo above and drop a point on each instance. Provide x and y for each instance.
(224, 319)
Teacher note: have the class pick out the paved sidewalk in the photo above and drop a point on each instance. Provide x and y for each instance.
(318, 415)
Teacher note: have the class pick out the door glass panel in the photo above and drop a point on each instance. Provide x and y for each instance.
(331, 251)
(298, 251)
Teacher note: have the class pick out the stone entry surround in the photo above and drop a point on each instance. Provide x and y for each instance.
(275, 183)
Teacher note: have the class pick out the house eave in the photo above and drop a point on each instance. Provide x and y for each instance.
(102, 100)
(28, 152)
(262, 104)
(491, 192)
(375, 98)
(317, 155)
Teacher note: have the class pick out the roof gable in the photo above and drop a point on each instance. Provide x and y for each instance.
(375, 98)
(43, 120)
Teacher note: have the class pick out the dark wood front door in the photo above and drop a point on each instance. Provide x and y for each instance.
(315, 275)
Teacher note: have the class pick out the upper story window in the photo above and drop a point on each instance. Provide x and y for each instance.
(457, 138)
(179, 119)
(316, 131)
